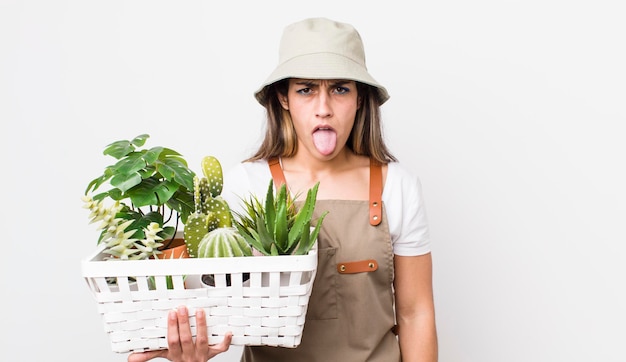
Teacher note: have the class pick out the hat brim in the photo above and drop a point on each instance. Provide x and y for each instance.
(320, 66)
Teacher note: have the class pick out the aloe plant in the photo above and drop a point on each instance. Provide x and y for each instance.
(276, 226)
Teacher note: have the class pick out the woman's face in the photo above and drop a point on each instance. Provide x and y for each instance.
(323, 113)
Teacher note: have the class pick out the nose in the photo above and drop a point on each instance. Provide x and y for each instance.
(324, 108)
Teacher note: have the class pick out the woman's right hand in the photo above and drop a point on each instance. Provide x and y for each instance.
(182, 347)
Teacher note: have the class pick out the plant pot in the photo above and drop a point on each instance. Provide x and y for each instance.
(176, 250)
(129, 285)
(208, 280)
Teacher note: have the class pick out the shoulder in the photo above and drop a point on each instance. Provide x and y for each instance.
(402, 186)
(401, 178)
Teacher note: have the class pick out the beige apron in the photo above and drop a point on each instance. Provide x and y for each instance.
(350, 315)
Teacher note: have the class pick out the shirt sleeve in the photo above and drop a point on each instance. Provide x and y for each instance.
(406, 213)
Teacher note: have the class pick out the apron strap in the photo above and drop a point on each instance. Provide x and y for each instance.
(277, 172)
(376, 186)
(376, 192)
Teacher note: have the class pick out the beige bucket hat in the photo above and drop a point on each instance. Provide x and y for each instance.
(320, 48)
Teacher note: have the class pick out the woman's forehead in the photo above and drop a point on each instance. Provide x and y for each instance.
(319, 81)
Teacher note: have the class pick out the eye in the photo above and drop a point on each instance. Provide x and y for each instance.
(304, 91)
(341, 90)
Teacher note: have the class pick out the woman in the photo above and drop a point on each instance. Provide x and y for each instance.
(372, 299)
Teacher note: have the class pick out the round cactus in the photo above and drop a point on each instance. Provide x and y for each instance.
(223, 242)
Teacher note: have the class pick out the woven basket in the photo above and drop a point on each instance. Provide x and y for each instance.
(268, 309)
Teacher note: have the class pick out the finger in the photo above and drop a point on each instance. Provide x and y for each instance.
(146, 356)
(173, 339)
(222, 346)
(202, 339)
(184, 331)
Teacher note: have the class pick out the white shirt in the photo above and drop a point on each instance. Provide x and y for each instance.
(402, 198)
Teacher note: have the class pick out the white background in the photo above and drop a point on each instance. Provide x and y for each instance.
(511, 112)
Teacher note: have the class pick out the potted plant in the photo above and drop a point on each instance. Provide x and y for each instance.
(149, 195)
(276, 226)
(209, 231)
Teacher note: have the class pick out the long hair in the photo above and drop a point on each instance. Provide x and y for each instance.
(366, 138)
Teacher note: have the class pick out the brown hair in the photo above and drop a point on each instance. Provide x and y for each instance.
(366, 138)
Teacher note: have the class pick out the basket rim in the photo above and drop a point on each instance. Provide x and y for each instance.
(94, 266)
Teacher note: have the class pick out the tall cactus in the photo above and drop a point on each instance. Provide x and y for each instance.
(211, 210)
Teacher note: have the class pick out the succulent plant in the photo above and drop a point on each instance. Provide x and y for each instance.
(115, 233)
(276, 226)
(211, 211)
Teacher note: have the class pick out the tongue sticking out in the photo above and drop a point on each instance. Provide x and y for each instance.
(325, 141)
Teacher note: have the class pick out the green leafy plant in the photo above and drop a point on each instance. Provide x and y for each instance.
(276, 226)
(151, 191)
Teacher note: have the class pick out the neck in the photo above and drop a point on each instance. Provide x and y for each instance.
(342, 177)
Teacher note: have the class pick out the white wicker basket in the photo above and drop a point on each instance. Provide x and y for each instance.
(267, 309)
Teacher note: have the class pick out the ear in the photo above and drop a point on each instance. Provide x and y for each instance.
(283, 101)
(359, 101)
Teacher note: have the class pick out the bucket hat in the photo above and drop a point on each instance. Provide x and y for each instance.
(320, 48)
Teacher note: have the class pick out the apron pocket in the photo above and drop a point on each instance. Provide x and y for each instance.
(323, 302)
